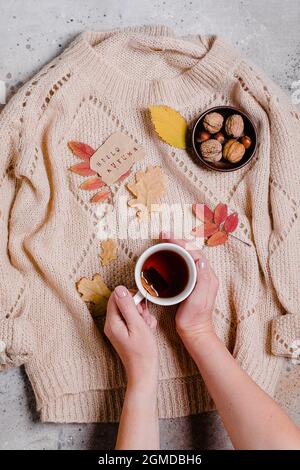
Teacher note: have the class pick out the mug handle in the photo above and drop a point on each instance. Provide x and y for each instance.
(138, 297)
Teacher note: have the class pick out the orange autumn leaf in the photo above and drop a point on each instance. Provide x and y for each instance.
(210, 228)
(81, 150)
(231, 222)
(205, 230)
(101, 196)
(203, 213)
(92, 183)
(125, 175)
(220, 213)
(82, 169)
(217, 238)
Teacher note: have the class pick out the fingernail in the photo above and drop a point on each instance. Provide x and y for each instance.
(202, 264)
(121, 291)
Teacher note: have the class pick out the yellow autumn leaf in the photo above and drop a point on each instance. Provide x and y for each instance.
(109, 251)
(95, 291)
(169, 125)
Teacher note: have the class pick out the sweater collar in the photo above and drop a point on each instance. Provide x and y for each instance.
(209, 71)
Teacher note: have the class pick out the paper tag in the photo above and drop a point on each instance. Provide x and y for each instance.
(115, 157)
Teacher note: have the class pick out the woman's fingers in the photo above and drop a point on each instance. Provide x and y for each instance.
(127, 307)
(206, 287)
(149, 319)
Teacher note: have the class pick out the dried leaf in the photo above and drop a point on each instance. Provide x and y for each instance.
(220, 213)
(109, 251)
(231, 222)
(95, 291)
(169, 125)
(82, 169)
(210, 228)
(148, 188)
(92, 183)
(203, 213)
(125, 175)
(81, 150)
(101, 196)
(217, 238)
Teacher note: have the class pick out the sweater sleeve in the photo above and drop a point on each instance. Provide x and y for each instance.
(283, 261)
(284, 244)
(16, 335)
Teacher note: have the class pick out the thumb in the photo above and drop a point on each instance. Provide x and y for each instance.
(127, 306)
(203, 277)
(203, 271)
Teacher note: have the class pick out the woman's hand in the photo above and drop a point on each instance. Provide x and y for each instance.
(194, 315)
(131, 329)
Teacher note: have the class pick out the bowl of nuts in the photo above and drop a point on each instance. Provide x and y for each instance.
(224, 138)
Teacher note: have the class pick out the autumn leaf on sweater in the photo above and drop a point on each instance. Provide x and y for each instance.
(95, 292)
(82, 169)
(84, 152)
(169, 125)
(231, 222)
(216, 225)
(218, 238)
(109, 251)
(148, 188)
(81, 150)
(220, 213)
(92, 183)
(203, 213)
(101, 196)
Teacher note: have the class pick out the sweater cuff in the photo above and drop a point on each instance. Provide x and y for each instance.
(17, 342)
(286, 336)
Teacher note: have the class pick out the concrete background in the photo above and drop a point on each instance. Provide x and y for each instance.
(32, 32)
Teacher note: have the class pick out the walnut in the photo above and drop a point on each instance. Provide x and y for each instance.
(211, 150)
(233, 151)
(234, 126)
(213, 122)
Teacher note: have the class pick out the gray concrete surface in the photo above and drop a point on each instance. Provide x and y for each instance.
(34, 31)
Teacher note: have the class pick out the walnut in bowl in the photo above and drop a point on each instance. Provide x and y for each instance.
(230, 138)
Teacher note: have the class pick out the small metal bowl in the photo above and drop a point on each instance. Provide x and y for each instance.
(249, 130)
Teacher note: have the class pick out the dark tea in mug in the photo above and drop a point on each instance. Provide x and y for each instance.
(165, 274)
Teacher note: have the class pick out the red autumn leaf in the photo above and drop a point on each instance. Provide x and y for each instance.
(81, 150)
(203, 213)
(210, 228)
(101, 196)
(125, 175)
(198, 231)
(217, 238)
(231, 222)
(82, 169)
(92, 183)
(220, 213)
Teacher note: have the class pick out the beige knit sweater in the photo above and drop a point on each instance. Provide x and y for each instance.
(103, 83)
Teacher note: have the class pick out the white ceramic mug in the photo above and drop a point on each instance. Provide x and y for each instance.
(142, 293)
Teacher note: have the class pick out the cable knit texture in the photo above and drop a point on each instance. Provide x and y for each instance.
(103, 83)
